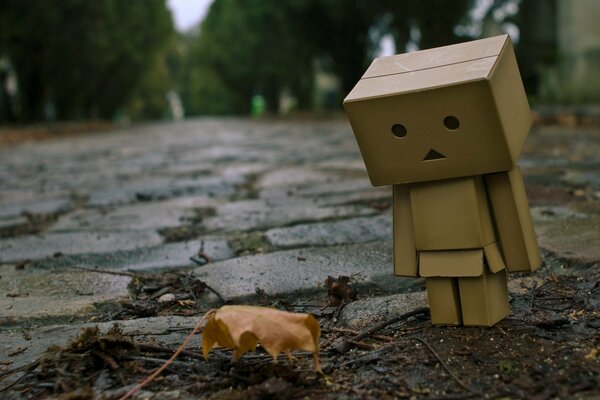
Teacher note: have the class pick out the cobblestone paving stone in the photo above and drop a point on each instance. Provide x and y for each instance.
(275, 205)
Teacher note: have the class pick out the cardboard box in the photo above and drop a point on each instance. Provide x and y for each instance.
(441, 113)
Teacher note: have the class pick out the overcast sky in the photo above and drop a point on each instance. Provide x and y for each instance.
(186, 13)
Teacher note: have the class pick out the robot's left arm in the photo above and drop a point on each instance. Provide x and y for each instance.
(512, 218)
(405, 250)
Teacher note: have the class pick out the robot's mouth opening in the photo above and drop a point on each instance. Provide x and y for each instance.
(434, 155)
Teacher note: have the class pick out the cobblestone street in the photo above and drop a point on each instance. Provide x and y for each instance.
(273, 206)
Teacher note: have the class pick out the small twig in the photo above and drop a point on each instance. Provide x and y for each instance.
(344, 346)
(355, 332)
(160, 292)
(337, 312)
(161, 349)
(153, 360)
(306, 305)
(27, 369)
(149, 379)
(364, 345)
(502, 331)
(463, 396)
(555, 309)
(105, 271)
(45, 385)
(201, 258)
(407, 329)
(108, 360)
(370, 356)
(533, 295)
(450, 372)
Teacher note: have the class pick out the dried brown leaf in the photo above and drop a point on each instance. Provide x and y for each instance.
(241, 328)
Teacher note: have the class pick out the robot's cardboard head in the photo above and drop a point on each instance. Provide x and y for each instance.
(441, 113)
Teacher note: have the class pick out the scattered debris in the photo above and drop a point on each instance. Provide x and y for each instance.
(166, 293)
(22, 264)
(548, 348)
(16, 351)
(339, 291)
(592, 355)
(160, 293)
(78, 365)
(35, 224)
(201, 258)
(343, 345)
(166, 298)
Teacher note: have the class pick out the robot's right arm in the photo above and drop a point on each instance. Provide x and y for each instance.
(405, 251)
(510, 208)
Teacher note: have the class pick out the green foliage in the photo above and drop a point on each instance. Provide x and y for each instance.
(245, 47)
(250, 47)
(149, 99)
(208, 94)
(84, 57)
(94, 58)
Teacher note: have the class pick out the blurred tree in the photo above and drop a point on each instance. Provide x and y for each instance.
(248, 47)
(339, 32)
(435, 21)
(538, 40)
(149, 99)
(85, 58)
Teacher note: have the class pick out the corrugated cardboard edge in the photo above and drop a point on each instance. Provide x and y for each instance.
(510, 100)
(474, 50)
(494, 258)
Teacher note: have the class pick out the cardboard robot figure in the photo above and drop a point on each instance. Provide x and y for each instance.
(445, 127)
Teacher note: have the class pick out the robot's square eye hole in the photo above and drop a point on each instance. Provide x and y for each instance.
(451, 123)
(399, 130)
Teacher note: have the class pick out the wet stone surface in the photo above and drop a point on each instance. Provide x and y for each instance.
(351, 230)
(33, 247)
(263, 212)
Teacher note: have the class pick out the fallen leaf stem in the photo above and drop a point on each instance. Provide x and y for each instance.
(150, 378)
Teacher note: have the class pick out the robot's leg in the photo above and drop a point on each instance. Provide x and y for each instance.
(484, 299)
(443, 296)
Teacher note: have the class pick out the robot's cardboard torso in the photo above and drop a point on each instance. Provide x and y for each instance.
(451, 214)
